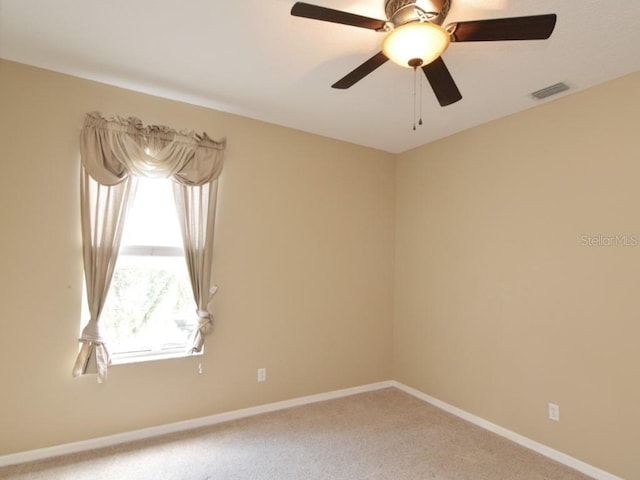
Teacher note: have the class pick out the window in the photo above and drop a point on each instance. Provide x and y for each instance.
(114, 153)
(150, 311)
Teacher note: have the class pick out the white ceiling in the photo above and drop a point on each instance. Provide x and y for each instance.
(251, 57)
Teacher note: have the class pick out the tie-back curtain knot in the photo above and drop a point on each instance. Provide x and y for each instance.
(205, 322)
(112, 149)
(91, 332)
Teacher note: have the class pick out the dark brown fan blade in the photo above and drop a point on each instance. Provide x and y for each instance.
(536, 27)
(362, 71)
(442, 82)
(306, 10)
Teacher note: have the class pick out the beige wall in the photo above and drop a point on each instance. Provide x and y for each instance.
(304, 262)
(499, 308)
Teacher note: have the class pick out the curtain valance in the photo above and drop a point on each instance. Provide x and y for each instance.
(112, 149)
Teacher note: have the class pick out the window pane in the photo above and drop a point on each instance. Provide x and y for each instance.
(153, 219)
(150, 305)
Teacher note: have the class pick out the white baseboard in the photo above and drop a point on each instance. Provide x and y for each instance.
(559, 457)
(145, 433)
(107, 441)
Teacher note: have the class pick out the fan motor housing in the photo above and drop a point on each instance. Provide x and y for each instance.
(400, 12)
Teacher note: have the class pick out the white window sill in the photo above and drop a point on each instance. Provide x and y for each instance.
(150, 356)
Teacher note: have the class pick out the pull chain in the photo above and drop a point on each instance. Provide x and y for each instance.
(417, 85)
(420, 100)
(415, 75)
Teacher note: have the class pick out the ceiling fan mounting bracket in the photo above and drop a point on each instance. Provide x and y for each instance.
(451, 29)
(387, 27)
(400, 12)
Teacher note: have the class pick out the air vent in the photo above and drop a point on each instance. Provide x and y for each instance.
(550, 90)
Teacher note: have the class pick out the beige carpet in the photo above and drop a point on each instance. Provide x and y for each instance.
(385, 434)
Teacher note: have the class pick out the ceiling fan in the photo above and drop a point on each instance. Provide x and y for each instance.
(415, 38)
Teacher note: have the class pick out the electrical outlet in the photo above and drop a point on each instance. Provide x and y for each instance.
(200, 369)
(262, 374)
(554, 412)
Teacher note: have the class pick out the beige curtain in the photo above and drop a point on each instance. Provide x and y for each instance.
(196, 211)
(103, 210)
(114, 152)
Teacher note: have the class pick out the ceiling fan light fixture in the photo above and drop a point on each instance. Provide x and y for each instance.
(415, 44)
